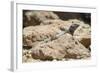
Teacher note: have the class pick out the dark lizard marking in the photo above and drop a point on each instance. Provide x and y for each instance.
(73, 28)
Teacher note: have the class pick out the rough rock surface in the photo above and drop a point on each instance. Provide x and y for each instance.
(83, 34)
(56, 28)
(60, 48)
(46, 32)
(33, 34)
(32, 18)
(47, 37)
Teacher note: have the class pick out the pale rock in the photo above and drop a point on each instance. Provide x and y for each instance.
(32, 18)
(32, 34)
(83, 34)
(63, 47)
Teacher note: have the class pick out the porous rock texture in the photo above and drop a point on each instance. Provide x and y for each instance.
(50, 38)
(33, 34)
(82, 33)
(63, 47)
(36, 17)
